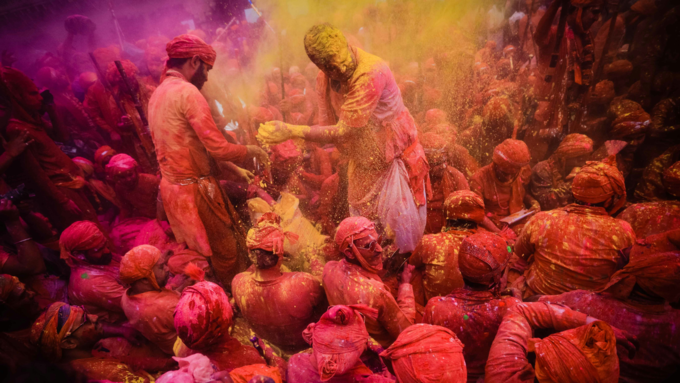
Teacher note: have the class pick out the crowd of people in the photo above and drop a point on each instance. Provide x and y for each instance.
(506, 211)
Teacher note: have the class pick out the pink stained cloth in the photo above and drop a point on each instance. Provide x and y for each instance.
(656, 326)
(185, 136)
(575, 247)
(348, 284)
(187, 46)
(151, 313)
(302, 367)
(279, 310)
(474, 316)
(203, 316)
(98, 289)
(268, 235)
(124, 232)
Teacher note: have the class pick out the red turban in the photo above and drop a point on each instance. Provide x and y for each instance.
(656, 274)
(268, 235)
(580, 355)
(671, 179)
(511, 154)
(482, 258)
(45, 333)
(80, 236)
(351, 229)
(424, 353)
(598, 182)
(138, 264)
(120, 163)
(498, 112)
(339, 338)
(113, 75)
(103, 153)
(85, 166)
(187, 46)
(574, 145)
(285, 151)
(464, 204)
(203, 316)
(7, 285)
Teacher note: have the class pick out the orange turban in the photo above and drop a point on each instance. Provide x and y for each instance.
(671, 179)
(246, 374)
(434, 146)
(574, 145)
(7, 285)
(424, 353)
(187, 46)
(598, 182)
(656, 274)
(80, 236)
(113, 75)
(339, 338)
(102, 154)
(482, 258)
(464, 204)
(203, 316)
(120, 163)
(582, 354)
(511, 154)
(498, 112)
(268, 235)
(46, 334)
(85, 166)
(138, 264)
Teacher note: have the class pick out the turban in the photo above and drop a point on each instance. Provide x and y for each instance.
(630, 120)
(246, 374)
(120, 163)
(113, 75)
(85, 166)
(464, 204)
(195, 368)
(511, 154)
(424, 353)
(268, 235)
(434, 117)
(261, 115)
(103, 153)
(46, 333)
(434, 146)
(105, 56)
(351, 229)
(339, 338)
(603, 93)
(7, 285)
(203, 316)
(80, 236)
(598, 182)
(574, 145)
(86, 80)
(671, 179)
(285, 151)
(482, 258)
(583, 354)
(188, 46)
(509, 49)
(138, 263)
(498, 112)
(656, 274)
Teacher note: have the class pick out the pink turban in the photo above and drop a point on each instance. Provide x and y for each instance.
(138, 264)
(351, 229)
(424, 353)
(339, 338)
(187, 46)
(203, 316)
(120, 163)
(85, 166)
(80, 236)
(103, 153)
(268, 235)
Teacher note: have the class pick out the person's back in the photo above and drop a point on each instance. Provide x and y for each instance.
(650, 218)
(576, 247)
(278, 310)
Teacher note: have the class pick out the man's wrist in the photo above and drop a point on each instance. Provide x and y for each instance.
(298, 131)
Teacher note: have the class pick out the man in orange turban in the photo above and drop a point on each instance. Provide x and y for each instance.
(94, 271)
(501, 183)
(636, 300)
(580, 245)
(583, 350)
(148, 306)
(277, 305)
(66, 333)
(473, 312)
(424, 353)
(551, 179)
(185, 138)
(338, 339)
(436, 256)
(202, 319)
(354, 280)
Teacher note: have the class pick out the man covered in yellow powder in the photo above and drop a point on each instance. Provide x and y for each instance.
(362, 112)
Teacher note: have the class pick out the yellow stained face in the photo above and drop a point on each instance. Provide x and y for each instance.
(341, 65)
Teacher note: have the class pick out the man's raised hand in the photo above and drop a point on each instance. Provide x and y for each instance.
(274, 132)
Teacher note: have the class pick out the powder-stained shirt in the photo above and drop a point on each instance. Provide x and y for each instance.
(98, 289)
(152, 314)
(650, 218)
(575, 247)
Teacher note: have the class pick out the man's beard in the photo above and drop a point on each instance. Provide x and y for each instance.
(199, 78)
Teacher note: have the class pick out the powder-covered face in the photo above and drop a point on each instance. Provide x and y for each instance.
(341, 65)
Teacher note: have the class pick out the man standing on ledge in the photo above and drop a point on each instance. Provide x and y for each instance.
(362, 112)
(185, 137)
